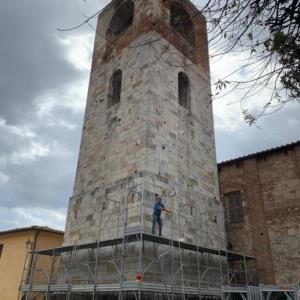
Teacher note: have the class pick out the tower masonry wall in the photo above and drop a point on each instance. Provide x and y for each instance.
(147, 143)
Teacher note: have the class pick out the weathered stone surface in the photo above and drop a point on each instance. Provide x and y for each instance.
(147, 137)
(147, 143)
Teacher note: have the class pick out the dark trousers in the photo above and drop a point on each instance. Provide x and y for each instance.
(156, 219)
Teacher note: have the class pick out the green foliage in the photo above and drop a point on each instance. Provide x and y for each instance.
(269, 31)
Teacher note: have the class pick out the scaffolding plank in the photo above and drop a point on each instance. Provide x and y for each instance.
(135, 236)
(127, 286)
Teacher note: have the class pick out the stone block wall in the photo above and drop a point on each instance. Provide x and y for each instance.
(147, 139)
(147, 143)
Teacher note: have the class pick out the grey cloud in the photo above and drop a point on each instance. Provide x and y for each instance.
(44, 181)
(32, 61)
(34, 64)
(274, 130)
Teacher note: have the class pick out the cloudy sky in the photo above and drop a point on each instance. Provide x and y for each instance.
(43, 82)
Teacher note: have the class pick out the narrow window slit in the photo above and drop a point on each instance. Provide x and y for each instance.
(115, 88)
(184, 91)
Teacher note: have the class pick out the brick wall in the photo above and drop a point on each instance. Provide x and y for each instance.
(269, 185)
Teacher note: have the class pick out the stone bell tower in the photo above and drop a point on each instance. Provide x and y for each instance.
(148, 122)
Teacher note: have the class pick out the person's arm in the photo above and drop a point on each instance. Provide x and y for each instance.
(164, 209)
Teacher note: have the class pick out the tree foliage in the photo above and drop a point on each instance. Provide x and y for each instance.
(266, 34)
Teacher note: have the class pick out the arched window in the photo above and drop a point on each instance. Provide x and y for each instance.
(115, 88)
(182, 22)
(121, 20)
(184, 91)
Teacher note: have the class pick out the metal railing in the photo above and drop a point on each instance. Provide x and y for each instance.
(141, 265)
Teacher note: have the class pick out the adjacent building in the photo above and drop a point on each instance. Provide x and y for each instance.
(15, 260)
(261, 195)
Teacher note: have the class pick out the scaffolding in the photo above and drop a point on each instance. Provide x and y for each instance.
(128, 262)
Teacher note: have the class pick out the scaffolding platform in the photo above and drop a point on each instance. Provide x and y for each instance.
(140, 236)
(250, 292)
(127, 262)
(130, 286)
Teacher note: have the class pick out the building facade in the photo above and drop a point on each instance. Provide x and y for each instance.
(261, 196)
(15, 260)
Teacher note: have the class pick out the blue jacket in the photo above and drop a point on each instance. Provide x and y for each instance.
(157, 208)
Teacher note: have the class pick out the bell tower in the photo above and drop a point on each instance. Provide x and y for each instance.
(148, 128)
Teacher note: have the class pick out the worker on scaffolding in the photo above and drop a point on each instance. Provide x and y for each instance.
(157, 209)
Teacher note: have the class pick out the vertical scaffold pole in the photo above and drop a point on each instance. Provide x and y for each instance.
(245, 270)
(31, 274)
(141, 238)
(123, 246)
(172, 249)
(198, 270)
(25, 273)
(96, 271)
(182, 272)
(70, 272)
(221, 274)
(48, 296)
(198, 255)
(227, 265)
